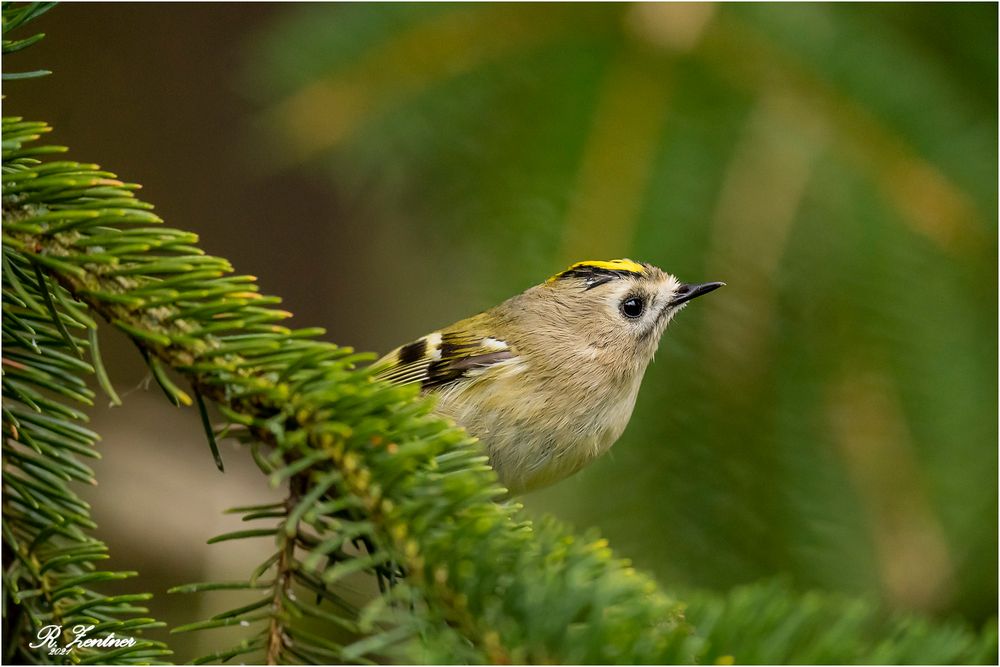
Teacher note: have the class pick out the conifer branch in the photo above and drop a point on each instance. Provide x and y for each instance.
(283, 574)
(50, 563)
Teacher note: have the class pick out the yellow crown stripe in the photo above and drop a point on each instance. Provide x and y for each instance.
(611, 265)
(626, 265)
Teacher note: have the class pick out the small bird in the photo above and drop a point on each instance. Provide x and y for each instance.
(547, 379)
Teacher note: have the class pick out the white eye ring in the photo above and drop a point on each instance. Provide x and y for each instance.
(633, 307)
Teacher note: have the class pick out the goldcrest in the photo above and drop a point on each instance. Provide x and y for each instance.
(547, 379)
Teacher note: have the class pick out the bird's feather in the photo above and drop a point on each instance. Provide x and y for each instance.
(443, 358)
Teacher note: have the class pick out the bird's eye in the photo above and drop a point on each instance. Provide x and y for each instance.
(633, 306)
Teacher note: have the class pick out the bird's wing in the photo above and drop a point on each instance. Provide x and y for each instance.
(441, 358)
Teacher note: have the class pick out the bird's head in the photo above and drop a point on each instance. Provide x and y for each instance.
(618, 306)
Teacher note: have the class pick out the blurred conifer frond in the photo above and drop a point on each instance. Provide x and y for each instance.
(375, 482)
(767, 623)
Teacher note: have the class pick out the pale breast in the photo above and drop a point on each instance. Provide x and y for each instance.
(537, 436)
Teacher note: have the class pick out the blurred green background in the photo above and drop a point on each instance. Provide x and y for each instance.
(830, 416)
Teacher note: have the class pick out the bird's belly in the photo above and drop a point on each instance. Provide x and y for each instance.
(535, 443)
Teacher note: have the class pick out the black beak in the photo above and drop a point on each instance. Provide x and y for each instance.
(687, 292)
